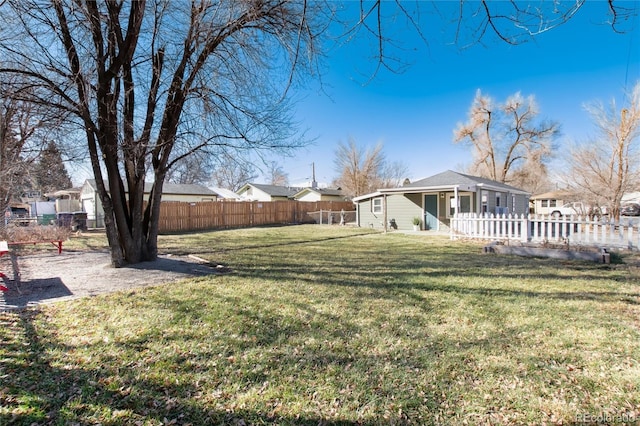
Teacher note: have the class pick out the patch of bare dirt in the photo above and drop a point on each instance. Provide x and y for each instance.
(50, 277)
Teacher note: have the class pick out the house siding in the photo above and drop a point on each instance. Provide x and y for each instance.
(403, 208)
(311, 196)
(366, 217)
(515, 203)
(538, 209)
(91, 204)
(256, 194)
(521, 204)
(476, 195)
(493, 199)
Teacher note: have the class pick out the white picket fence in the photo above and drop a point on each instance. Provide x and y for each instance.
(572, 230)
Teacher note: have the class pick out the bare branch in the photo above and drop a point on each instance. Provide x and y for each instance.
(508, 135)
(604, 169)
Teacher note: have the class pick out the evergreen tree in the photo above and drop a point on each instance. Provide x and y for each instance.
(50, 173)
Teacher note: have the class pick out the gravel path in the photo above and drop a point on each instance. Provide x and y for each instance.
(55, 277)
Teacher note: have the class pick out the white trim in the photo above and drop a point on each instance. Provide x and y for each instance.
(373, 205)
(366, 196)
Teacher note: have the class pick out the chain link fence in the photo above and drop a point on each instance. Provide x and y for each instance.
(329, 217)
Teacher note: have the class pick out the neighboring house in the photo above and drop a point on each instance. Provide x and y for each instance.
(67, 200)
(320, 194)
(549, 202)
(436, 199)
(90, 200)
(226, 194)
(260, 192)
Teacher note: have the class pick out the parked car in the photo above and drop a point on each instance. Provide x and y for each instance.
(19, 215)
(631, 209)
(578, 209)
(569, 209)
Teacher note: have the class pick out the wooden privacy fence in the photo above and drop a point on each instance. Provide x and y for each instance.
(576, 230)
(178, 216)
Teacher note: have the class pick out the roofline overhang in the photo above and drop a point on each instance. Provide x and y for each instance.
(421, 189)
(497, 188)
(365, 196)
(438, 188)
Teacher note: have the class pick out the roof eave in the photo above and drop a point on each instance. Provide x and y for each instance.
(419, 189)
(366, 196)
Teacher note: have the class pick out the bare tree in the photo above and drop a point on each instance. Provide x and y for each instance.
(192, 169)
(603, 169)
(232, 172)
(393, 174)
(508, 141)
(359, 169)
(153, 82)
(277, 175)
(534, 175)
(22, 135)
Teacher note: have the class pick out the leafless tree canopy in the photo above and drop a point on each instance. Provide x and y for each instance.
(363, 170)
(508, 142)
(24, 128)
(152, 82)
(603, 169)
(277, 175)
(192, 169)
(358, 169)
(231, 172)
(393, 174)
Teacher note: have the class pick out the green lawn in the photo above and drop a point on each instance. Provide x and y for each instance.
(329, 325)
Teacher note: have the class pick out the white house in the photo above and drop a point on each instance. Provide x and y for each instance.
(225, 194)
(549, 202)
(260, 192)
(320, 194)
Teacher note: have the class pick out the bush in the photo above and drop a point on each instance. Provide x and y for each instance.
(35, 233)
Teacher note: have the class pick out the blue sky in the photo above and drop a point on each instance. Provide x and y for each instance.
(413, 113)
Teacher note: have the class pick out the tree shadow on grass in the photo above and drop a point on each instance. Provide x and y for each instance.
(396, 273)
(35, 291)
(285, 243)
(42, 391)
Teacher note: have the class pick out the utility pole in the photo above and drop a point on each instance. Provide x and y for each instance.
(314, 184)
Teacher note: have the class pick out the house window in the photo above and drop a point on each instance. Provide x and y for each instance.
(376, 205)
(553, 203)
(464, 207)
(485, 202)
(544, 203)
(498, 200)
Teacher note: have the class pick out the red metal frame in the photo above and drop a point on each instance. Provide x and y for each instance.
(3, 288)
(57, 243)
